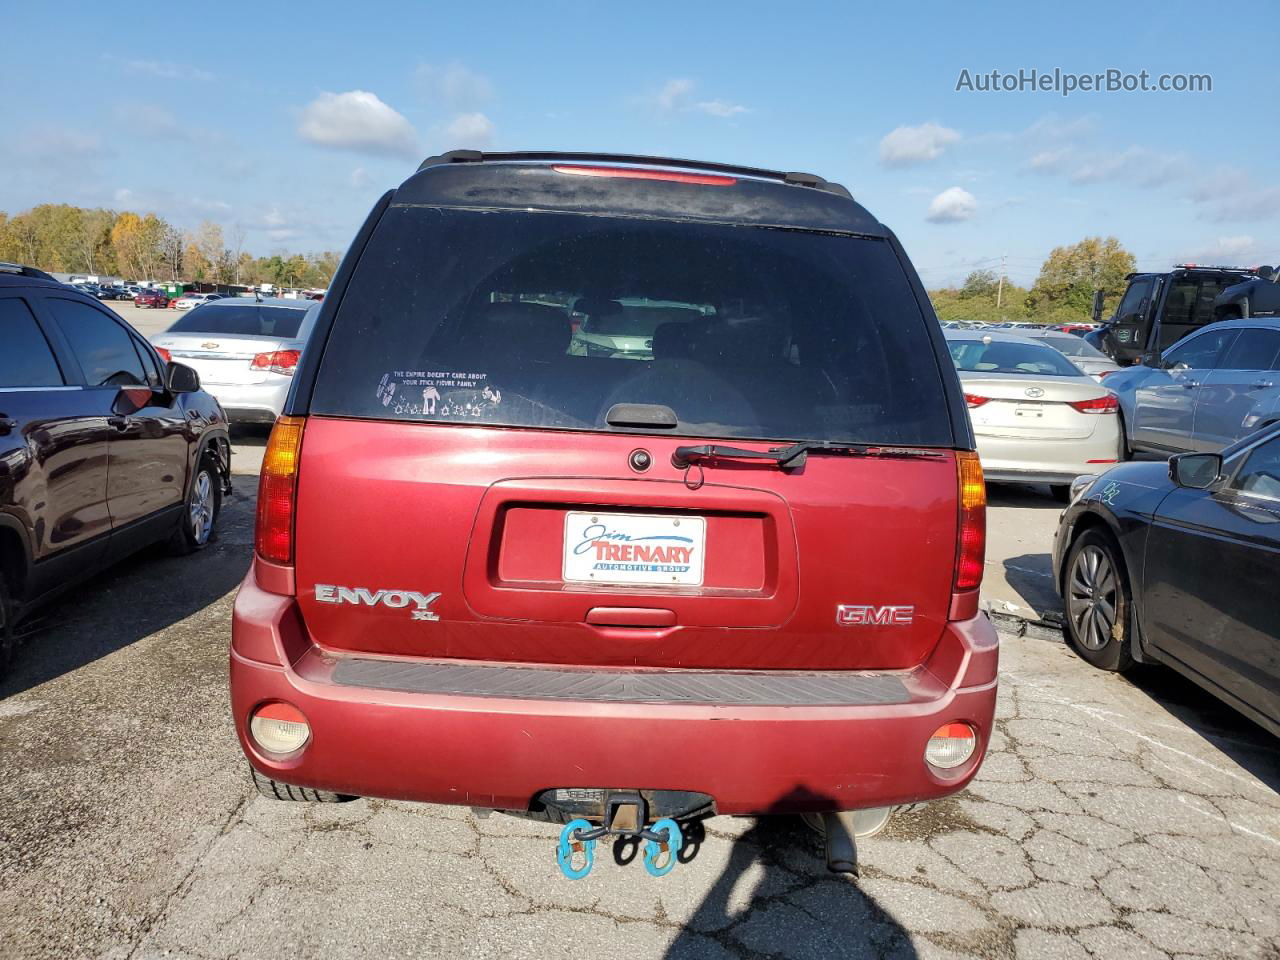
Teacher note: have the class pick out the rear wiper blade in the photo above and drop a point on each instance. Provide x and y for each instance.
(794, 456)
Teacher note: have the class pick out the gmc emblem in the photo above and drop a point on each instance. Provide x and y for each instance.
(861, 615)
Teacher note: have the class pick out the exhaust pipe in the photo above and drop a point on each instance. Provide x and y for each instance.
(842, 848)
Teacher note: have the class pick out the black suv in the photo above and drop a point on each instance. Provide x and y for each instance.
(104, 448)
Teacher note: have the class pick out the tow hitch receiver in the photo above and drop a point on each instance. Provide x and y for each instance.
(625, 816)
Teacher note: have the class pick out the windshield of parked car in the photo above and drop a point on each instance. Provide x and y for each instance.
(550, 320)
(249, 320)
(1074, 347)
(989, 355)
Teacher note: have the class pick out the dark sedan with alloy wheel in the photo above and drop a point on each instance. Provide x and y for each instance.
(1176, 563)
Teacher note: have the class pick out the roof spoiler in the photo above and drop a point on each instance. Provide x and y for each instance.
(794, 178)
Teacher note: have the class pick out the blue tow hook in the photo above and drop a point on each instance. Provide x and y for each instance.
(653, 848)
(570, 844)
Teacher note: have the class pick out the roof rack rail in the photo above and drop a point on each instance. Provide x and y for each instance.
(549, 156)
(22, 271)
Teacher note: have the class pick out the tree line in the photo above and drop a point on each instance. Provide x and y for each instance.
(1062, 293)
(62, 238)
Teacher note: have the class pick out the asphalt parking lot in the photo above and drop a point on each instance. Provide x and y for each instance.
(1115, 817)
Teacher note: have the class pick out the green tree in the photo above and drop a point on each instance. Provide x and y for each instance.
(980, 283)
(1071, 274)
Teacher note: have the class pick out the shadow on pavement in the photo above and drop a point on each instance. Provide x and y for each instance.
(1227, 730)
(133, 599)
(797, 908)
(1031, 575)
(1021, 495)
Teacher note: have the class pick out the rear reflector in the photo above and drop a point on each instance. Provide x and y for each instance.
(1107, 404)
(974, 400)
(633, 173)
(279, 728)
(277, 361)
(951, 745)
(972, 549)
(277, 490)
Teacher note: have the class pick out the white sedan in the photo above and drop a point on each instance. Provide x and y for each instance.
(1037, 418)
(189, 300)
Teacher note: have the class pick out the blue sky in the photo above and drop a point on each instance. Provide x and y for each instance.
(287, 125)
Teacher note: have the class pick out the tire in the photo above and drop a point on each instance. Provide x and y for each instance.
(1126, 451)
(8, 632)
(196, 531)
(1099, 617)
(275, 790)
(1060, 492)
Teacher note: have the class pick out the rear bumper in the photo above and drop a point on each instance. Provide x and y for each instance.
(251, 402)
(500, 750)
(1050, 461)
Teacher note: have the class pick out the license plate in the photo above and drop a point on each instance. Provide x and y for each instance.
(1026, 410)
(634, 549)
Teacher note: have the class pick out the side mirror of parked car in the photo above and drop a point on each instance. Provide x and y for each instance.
(180, 378)
(1098, 298)
(1195, 470)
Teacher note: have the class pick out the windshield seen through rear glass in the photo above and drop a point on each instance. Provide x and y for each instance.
(989, 355)
(1074, 347)
(550, 320)
(247, 320)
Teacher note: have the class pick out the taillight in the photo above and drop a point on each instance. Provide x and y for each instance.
(635, 173)
(277, 490)
(974, 400)
(164, 354)
(277, 361)
(1107, 404)
(972, 548)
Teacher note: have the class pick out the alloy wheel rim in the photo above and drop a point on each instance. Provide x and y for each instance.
(201, 507)
(1091, 597)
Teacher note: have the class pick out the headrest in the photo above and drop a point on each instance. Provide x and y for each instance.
(518, 329)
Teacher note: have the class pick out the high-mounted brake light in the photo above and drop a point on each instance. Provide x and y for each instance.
(975, 400)
(277, 491)
(971, 551)
(1107, 404)
(277, 361)
(636, 173)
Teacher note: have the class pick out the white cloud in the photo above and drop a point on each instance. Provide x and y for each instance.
(720, 108)
(163, 69)
(1238, 248)
(908, 146)
(360, 177)
(673, 94)
(458, 86)
(676, 96)
(357, 120)
(1230, 193)
(952, 205)
(470, 131)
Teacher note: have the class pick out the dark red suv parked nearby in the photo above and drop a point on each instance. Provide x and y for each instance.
(151, 298)
(722, 556)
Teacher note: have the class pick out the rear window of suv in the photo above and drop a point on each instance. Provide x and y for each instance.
(548, 320)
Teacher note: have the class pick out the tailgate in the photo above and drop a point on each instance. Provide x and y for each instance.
(494, 521)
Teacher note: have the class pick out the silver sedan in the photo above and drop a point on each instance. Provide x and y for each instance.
(1036, 416)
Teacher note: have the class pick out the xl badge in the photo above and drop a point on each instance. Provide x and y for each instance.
(861, 615)
(418, 604)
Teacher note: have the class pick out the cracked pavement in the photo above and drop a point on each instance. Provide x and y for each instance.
(1115, 817)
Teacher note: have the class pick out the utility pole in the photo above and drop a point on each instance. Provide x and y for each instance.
(1000, 287)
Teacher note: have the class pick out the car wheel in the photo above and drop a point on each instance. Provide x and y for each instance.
(200, 513)
(1098, 601)
(1126, 452)
(1060, 492)
(275, 790)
